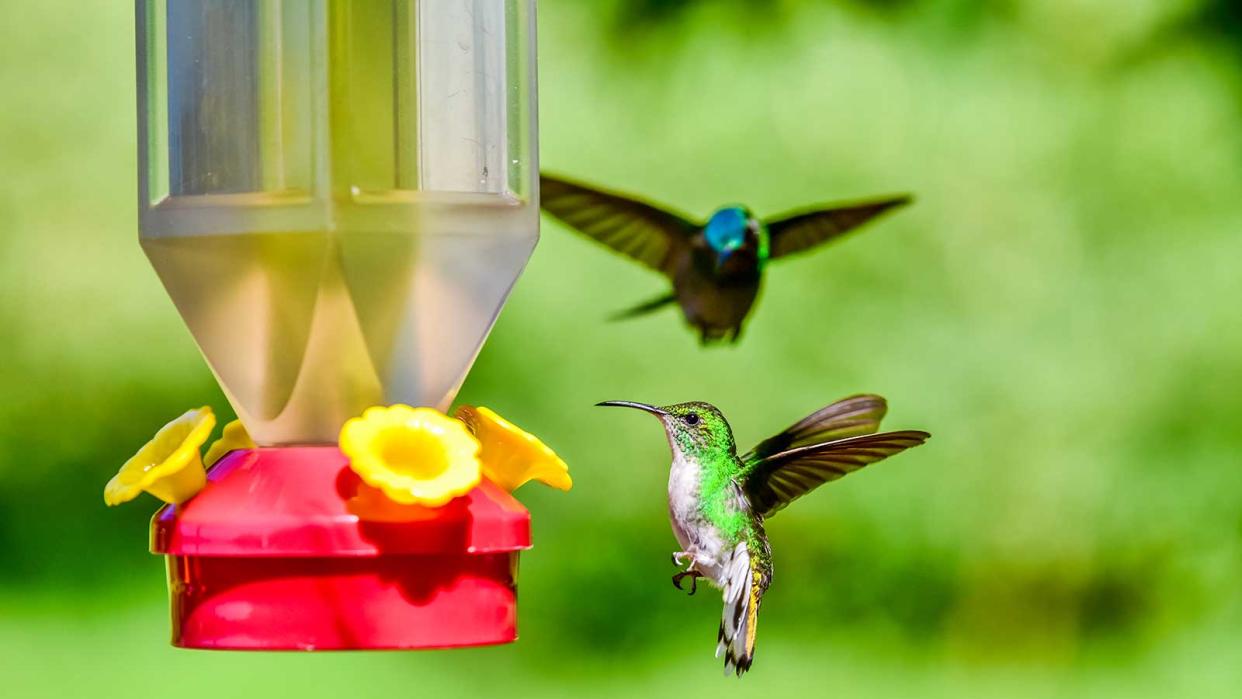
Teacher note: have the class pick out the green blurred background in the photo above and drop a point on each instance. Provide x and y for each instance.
(1060, 308)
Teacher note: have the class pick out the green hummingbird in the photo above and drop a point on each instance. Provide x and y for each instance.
(715, 266)
(718, 501)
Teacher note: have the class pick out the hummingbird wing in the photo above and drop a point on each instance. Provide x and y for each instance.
(778, 480)
(801, 230)
(848, 417)
(640, 231)
(645, 307)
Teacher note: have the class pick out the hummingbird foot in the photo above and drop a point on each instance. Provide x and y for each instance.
(694, 576)
(680, 558)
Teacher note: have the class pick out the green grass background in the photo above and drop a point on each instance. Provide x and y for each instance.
(1060, 308)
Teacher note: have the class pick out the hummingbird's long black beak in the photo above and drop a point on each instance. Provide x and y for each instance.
(630, 404)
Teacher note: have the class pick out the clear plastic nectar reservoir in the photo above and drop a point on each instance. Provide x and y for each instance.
(337, 194)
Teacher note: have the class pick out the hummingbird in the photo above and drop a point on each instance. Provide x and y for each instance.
(715, 266)
(718, 501)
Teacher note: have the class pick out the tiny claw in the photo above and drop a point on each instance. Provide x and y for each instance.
(694, 581)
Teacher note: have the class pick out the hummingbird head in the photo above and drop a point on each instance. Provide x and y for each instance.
(731, 229)
(695, 429)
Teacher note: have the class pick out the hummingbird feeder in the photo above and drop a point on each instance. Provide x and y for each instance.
(338, 196)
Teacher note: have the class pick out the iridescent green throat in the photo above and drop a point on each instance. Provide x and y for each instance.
(718, 468)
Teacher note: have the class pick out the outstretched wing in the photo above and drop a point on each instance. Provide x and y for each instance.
(640, 231)
(801, 230)
(778, 480)
(848, 417)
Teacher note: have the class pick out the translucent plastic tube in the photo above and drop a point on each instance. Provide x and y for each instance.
(337, 194)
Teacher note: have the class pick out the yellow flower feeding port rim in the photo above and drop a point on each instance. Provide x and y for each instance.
(233, 437)
(169, 466)
(416, 456)
(511, 456)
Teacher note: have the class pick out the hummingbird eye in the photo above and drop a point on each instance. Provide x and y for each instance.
(692, 418)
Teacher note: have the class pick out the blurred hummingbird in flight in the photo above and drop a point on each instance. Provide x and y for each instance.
(715, 266)
(718, 501)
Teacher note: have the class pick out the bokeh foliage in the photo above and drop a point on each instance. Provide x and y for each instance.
(1059, 308)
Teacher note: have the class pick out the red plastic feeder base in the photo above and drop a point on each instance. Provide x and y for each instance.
(286, 549)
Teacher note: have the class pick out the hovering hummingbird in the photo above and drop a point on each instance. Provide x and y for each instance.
(716, 266)
(718, 501)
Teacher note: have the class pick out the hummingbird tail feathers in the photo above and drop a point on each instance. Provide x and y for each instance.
(744, 585)
(645, 307)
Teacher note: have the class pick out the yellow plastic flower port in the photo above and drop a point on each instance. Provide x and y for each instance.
(416, 456)
(511, 456)
(169, 466)
(233, 437)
